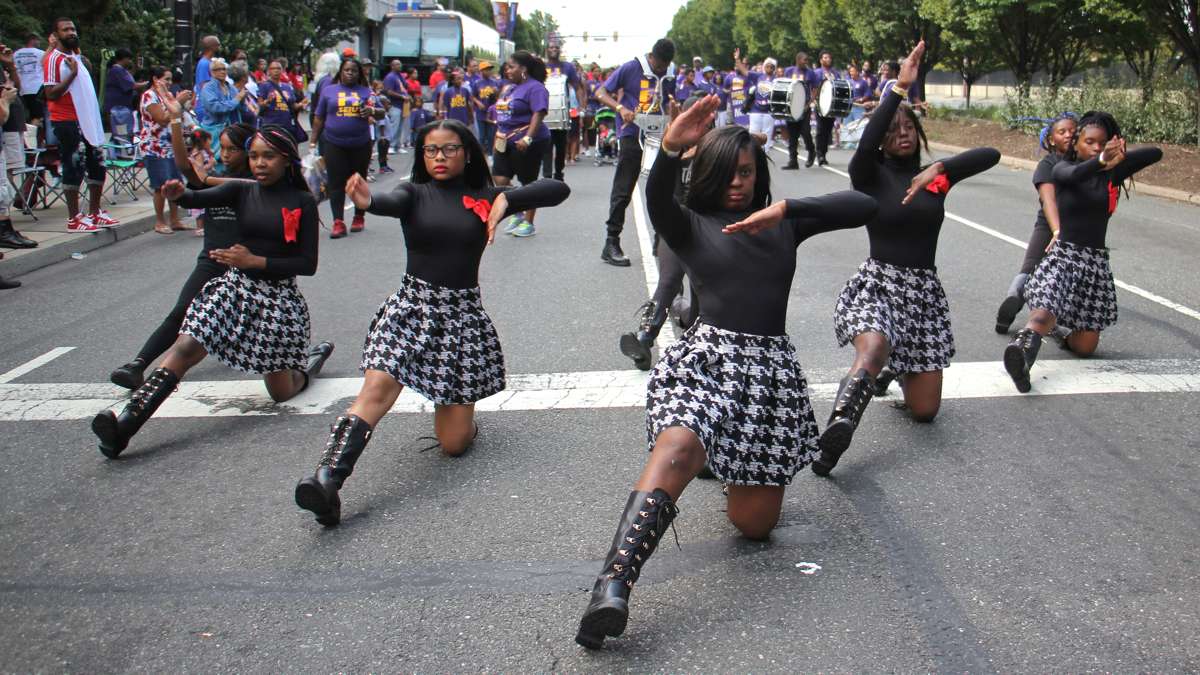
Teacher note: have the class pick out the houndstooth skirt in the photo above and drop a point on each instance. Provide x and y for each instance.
(907, 305)
(743, 395)
(437, 341)
(1075, 283)
(253, 325)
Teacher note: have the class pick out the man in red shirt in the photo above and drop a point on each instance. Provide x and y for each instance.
(74, 114)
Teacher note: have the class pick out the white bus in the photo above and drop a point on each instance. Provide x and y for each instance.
(420, 38)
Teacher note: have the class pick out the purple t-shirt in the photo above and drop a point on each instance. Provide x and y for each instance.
(859, 88)
(563, 68)
(393, 82)
(735, 91)
(637, 92)
(517, 105)
(456, 103)
(341, 109)
(486, 89)
(684, 90)
(276, 110)
(758, 85)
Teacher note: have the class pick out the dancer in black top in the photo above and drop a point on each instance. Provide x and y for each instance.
(1073, 285)
(731, 390)
(433, 334)
(894, 310)
(253, 318)
(1056, 140)
(221, 232)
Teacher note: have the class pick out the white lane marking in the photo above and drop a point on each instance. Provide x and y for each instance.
(1136, 290)
(649, 263)
(35, 363)
(582, 390)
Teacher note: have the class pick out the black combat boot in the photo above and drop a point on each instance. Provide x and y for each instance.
(1020, 355)
(646, 519)
(809, 162)
(1011, 304)
(10, 238)
(114, 431)
(853, 396)
(884, 380)
(317, 355)
(131, 375)
(612, 253)
(318, 493)
(637, 345)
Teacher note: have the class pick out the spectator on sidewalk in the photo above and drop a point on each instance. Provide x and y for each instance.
(221, 103)
(159, 158)
(12, 117)
(119, 87)
(395, 87)
(277, 100)
(239, 75)
(260, 70)
(28, 60)
(75, 119)
(210, 45)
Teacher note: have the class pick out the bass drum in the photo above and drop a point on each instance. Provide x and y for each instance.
(834, 99)
(788, 100)
(557, 112)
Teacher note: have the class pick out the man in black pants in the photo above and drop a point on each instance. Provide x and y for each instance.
(557, 156)
(801, 129)
(824, 124)
(633, 88)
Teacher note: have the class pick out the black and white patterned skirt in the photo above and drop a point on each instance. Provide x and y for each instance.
(744, 395)
(1075, 283)
(253, 325)
(437, 341)
(907, 305)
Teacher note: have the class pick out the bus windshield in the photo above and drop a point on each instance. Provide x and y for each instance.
(402, 37)
(441, 37)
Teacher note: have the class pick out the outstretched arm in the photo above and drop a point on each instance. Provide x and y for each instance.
(397, 203)
(225, 194)
(540, 194)
(1136, 160)
(834, 211)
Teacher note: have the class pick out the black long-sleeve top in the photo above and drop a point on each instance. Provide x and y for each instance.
(220, 223)
(444, 238)
(1087, 195)
(743, 279)
(261, 224)
(906, 234)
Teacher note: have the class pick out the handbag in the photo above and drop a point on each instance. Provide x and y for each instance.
(501, 142)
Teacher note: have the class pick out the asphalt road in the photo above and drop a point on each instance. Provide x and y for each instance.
(1037, 533)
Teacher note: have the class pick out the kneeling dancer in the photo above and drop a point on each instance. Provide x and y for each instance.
(1073, 285)
(730, 390)
(253, 318)
(894, 310)
(433, 334)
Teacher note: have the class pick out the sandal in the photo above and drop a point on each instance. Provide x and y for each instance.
(162, 228)
(180, 227)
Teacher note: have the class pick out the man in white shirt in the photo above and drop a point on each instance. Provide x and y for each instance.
(28, 60)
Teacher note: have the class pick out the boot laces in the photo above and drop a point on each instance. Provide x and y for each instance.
(645, 314)
(646, 534)
(1025, 339)
(139, 398)
(337, 442)
(852, 403)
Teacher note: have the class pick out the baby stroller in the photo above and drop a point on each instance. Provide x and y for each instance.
(606, 137)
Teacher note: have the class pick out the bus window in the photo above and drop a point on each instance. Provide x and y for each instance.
(402, 38)
(441, 37)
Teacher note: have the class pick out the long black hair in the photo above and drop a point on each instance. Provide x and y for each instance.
(715, 163)
(1097, 118)
(475, 174)
(282, 141)
(533, 65)
(239, 135)
(907, 109)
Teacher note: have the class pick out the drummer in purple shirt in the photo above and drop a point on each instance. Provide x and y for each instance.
(758, 91)
(556, 156)
(631, 89)
(824, 124)
(860, 93)
(801, 129)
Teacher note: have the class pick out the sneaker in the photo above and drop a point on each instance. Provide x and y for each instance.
(104, 219)
(509, 224)
(386, 169)
(392, 151)
(82, 223)
(403, 151)
(358, 224)
(338, 230)
(524, 229)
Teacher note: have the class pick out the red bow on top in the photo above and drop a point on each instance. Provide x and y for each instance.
(291, 224)
(1113, 193)
(939, 185)
(481, 207)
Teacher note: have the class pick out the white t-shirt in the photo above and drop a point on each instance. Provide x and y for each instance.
(28, 61)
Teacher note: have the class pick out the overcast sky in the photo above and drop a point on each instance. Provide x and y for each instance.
(638, 24)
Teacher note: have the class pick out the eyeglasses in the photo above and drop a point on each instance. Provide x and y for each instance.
(449, 150)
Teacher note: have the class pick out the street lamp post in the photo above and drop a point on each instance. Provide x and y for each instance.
(185, 34)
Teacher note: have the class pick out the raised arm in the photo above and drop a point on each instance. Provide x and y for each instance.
(864, 165)
(305, 264)
(1136, 160)
(834, 211)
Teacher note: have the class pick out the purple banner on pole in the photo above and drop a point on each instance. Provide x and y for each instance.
(505, 14)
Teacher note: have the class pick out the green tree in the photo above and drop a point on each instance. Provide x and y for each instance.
(1181, 20)
(768, 28)
(889, 29)
(963, 51)
(1140, 43)
(704, 28)
(530, 34)
(824, 27)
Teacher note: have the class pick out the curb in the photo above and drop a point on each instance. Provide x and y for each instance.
(1030, 165)
(45, 256)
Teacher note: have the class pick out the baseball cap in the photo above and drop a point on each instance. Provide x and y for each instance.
(484, 65)
(706, 69)
(349, 52)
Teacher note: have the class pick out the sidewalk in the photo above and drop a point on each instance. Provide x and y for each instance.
(55, 244)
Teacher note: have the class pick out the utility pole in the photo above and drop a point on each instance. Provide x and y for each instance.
(185, 40)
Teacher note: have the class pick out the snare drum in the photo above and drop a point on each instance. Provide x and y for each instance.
(651, 125)
(649, 153)
(788, 100)
(557, 116)
(834, 99)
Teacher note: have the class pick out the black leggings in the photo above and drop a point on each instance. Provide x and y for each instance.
(341, 163)
(670, 279)
(164, 336)
(1038, 241)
